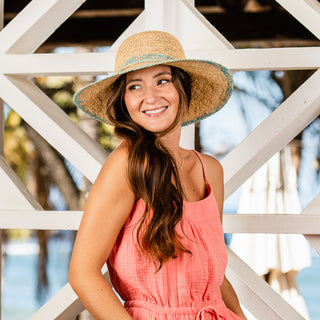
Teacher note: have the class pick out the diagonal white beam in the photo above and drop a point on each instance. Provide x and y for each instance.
(293, 115)
(305, 11)
(53, 124)
(65, 304)
(138, 25)
(312, 209)
(195, 31)
(34, 24)
(255, 294)
(13, 193)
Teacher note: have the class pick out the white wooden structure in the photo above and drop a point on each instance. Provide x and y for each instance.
(18, 62)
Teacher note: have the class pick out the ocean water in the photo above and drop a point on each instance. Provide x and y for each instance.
(19, 283)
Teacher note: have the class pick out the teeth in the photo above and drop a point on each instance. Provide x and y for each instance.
(155, 110)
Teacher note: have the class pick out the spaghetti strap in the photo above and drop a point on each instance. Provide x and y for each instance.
(203, 167)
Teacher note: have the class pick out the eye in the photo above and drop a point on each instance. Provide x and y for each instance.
(133, 87)
(163, 81)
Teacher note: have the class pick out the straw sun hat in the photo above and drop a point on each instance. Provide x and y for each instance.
(211, 83)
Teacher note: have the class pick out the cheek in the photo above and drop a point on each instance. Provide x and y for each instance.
(129, 102)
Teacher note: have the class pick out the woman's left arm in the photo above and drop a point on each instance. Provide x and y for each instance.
(230, 298)
(215, 175)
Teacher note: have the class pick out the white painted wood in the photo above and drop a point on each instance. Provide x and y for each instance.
(305, 11)
(29, 218)
(136, 26)
(53, 124)
(65, 305)
(262, 59)
(13, 193)
(272, 134)
(187, 139)
(195, 31)
(102, 63)
(1, 14)
(34, 24)
(51, 64)
(311, 210)
(39, 219)
(255, 294)
(272, 223)
(160, 15)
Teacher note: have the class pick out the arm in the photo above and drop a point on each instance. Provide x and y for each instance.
(230, 298)
(215, 176)
(108, 206)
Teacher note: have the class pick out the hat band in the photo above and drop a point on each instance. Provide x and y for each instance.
(145, 58)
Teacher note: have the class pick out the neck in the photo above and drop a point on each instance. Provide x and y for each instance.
(171, 142)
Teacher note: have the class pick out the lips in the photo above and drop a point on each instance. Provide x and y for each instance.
(155, 112)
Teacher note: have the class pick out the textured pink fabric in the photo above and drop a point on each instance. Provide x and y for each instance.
(185, 288)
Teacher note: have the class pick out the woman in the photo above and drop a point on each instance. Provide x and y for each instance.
(154, 212)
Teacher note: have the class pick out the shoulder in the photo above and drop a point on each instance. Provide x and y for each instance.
(113, 173)
(214, 171)
(213, 167)
(116, 161)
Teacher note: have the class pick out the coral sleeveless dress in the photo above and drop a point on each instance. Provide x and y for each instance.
(185, 288)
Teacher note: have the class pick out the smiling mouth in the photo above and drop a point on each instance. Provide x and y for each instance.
(155, 112)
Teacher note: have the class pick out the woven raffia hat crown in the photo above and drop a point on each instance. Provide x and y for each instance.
(211, 83)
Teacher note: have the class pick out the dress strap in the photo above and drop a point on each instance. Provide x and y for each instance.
(203, 167)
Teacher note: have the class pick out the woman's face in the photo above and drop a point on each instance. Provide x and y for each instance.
(151, 98)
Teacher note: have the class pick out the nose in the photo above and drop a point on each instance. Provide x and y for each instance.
(150, 95)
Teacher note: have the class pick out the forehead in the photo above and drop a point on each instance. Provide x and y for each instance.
(146, 72)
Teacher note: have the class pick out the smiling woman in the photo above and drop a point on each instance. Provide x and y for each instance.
(159, 226)
(151, 98)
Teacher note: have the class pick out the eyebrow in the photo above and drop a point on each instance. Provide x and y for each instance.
(156, 76)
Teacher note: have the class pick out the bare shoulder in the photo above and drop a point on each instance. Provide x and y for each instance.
(112, 181)
(214, 172)
(115, 164)
(213, 167)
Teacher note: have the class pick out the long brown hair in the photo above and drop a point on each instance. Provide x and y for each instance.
(153, 173)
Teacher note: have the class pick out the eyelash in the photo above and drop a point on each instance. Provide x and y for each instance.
(160, 82)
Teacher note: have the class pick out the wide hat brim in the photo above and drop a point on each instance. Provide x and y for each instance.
(211, 88)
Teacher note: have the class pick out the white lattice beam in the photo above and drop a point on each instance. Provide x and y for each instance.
(272, 223)
(311, 210)
(307, 224)
(53, 124)
(293, 115)
(160, 15)
(39, 219)
(305, 11)
(255, 294)
(13, 193)
(34, 24)
(36, 65)
(64, 305)
(195, 31)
